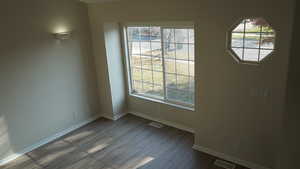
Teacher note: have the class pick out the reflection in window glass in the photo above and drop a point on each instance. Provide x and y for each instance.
(252, 40)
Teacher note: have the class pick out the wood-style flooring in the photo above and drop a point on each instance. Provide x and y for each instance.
(129, 143)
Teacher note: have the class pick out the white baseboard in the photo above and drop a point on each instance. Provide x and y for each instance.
(168, 123)
(118, 116)
(115, 117)
(229, 158)
(46, 140)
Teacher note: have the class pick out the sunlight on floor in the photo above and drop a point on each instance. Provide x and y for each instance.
(97, 148)
(136, 163)
(79, 136)
(144, 161)
(56, 150)
(99, 145)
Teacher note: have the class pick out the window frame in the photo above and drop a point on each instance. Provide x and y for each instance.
(164, 99)
(233, 53)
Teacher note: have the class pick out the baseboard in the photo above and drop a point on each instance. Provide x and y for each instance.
(115, 117)
(229, 158)
(119, 115)
(46, 140)
(168, 123)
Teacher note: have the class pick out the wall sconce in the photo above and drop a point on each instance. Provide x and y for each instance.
(62, 35)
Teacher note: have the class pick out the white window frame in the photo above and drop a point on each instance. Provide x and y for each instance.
(236, 56)
(164, 25)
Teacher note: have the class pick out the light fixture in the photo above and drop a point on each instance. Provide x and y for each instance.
(63, 35)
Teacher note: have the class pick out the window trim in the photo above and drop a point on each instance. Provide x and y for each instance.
(163, 100)
(234, 55)
(181, 106)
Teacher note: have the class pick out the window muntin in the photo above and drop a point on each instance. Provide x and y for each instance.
(161, 63)
(252, 40)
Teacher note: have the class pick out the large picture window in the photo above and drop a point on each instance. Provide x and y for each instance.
(161, 62)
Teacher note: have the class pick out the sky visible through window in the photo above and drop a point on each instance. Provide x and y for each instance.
(162, 62)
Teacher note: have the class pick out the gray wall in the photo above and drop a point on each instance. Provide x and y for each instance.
(46, 85)
(228, 117)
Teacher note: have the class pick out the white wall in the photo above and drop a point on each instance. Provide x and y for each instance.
(45, 85)
(228, 119)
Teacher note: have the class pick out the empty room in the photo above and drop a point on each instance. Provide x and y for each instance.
(149, 84)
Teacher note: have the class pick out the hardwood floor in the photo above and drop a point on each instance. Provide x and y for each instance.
(124, 144)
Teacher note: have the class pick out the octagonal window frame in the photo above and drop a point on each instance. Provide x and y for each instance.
(235, 55)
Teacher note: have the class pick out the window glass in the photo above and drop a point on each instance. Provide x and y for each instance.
(252, 40)
(162, 63)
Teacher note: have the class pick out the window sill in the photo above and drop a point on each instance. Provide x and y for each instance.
(162, 102)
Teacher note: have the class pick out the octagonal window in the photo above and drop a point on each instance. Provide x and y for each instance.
(252, 40)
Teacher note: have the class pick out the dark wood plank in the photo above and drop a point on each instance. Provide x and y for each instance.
(88, 163)
(129, 143)
(23, 162)
(57, 155)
